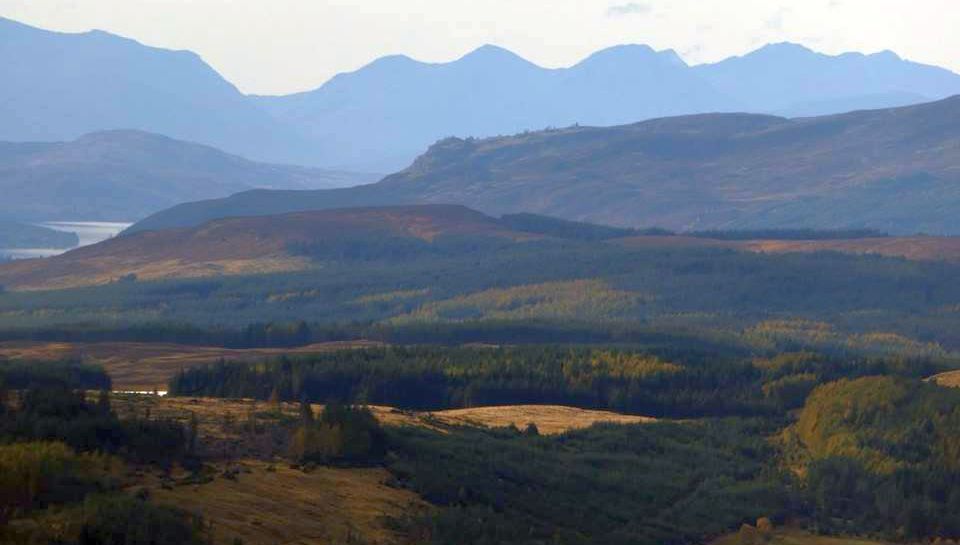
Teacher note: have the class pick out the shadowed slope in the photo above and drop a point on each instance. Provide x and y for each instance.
(125, 175)
(895, 170)
(252, 245)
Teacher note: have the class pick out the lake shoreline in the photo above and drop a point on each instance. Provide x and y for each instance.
(88, 232)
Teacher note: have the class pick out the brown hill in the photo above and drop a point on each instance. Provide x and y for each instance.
(895, 170)
(251, 245)
(302, 240)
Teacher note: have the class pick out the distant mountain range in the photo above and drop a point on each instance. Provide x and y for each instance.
(395, 106)
(59, 86)
(125, 175)
(377, 119)
(895, 170)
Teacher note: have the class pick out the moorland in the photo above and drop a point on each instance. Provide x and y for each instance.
(727, 328)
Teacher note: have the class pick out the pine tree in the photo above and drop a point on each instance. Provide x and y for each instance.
(275, 399)
(306, 413)
(192, 432)
(103, 402)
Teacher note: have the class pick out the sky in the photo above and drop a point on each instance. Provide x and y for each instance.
(284, 46)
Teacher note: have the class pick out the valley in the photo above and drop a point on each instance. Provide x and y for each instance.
(330, 503)
(419, 373)
(306, 241)
(26, 240)
(342, 275)
(77, 233)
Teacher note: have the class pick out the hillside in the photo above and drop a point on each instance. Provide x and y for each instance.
(380, 116)
(21, 235)
(403, 234)
(327, 502)
(421, 234)
(894, 170)
(920, 248)
(125, 175)
(791, 79)
(262, 244)
(421, 274)
(393, 108)
(118, 83)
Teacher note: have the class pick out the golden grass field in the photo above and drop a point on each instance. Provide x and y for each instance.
(226, 418)
(950, 379)
(270, 502)
(550, 419)
(149, 366)
(267, 501)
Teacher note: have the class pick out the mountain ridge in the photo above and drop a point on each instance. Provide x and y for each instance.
(116, 175)
(120, 83)
(609, 87)
(895, 170)
(379, 117)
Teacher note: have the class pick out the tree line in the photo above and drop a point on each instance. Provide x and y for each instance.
(62, 460)
(672, 382)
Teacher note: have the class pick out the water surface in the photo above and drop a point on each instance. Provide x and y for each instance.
(89, 232)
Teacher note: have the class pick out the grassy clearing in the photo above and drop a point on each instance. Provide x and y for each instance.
(252, 493)
(549, 419)
(233, 425)
(267, 504)
(266, 501)
(950, 379)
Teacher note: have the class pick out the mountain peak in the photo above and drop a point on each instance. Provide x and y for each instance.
(784, 48)
(128, 135)
(887, 55)
(388, 62)
(632, 53)
(624, 50)
(489, 53)
(673, 57)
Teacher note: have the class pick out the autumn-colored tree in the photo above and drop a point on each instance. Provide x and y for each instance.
(343, 435)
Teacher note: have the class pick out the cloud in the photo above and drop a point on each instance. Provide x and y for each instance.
(631, 8)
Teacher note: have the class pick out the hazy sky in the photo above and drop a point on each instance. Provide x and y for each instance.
(280, 46)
